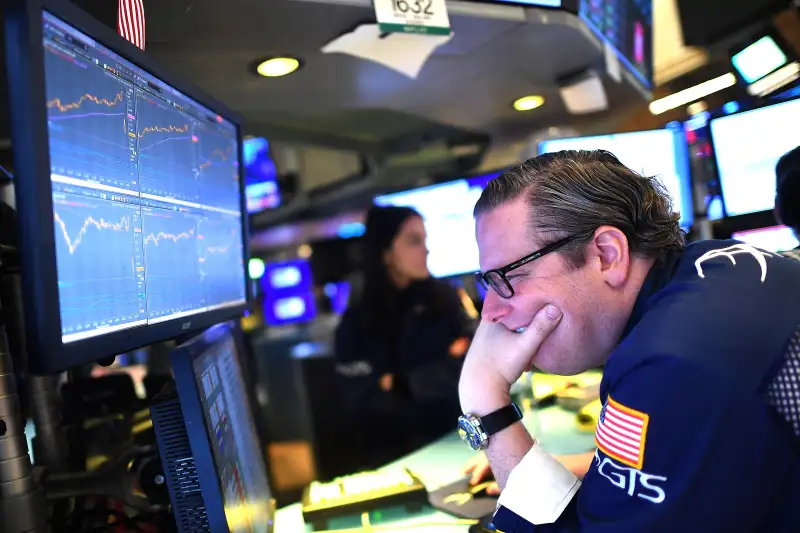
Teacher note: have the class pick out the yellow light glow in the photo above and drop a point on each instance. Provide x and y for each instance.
(278, 66)
(526, 103)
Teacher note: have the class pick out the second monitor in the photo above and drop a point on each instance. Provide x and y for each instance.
(208, 440)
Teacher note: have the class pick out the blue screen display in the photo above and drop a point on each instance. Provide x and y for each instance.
(261, 176)
(288, 293)
(146, 193)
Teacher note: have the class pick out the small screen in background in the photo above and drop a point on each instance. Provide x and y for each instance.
(288, 293)
(772, 239)
(261, 176)
(447, 211)
(747, 148)
(660, 153)
(759, 59)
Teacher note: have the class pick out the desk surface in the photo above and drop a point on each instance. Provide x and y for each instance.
(441, 463)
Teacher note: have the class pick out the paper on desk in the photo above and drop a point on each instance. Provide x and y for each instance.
(403, 52)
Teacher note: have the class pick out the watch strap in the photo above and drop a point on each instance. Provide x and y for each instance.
(501, 419)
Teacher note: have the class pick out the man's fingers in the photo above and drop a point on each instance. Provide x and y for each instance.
(544, 322)
(493, 489)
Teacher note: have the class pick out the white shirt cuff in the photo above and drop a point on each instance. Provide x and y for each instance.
(539, 488)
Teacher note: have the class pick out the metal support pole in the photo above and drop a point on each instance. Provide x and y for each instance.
(23, 504)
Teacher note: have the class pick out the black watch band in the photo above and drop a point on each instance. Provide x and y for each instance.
(501, 419)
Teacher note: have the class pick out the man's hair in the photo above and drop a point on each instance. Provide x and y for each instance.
(574, 192)
(787, 190)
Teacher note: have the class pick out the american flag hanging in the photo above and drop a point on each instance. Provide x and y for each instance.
(130, 21)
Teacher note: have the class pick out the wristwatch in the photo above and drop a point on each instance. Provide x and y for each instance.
(476, 431)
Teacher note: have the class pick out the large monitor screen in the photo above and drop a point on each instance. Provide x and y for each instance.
(660, 153)
(447, 211)
(747, 147)
(772, 239)
(627, 26)
(261, 176)
(146, 193)
(232, 435)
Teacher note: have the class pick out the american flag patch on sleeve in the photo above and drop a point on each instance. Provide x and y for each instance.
(621, 433)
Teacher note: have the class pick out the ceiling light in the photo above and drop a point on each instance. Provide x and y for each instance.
(526, 103)
(692, 94)
(278, 66)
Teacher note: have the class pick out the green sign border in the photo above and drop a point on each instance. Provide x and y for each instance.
(412, 28)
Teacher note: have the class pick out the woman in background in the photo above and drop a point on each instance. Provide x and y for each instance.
(401, 342)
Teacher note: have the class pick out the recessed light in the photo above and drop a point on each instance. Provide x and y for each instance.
(526, 103)
(277, 66)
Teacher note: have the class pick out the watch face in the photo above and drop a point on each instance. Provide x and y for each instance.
(470, 432)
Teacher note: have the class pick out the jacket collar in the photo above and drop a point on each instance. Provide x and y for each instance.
(660, 275)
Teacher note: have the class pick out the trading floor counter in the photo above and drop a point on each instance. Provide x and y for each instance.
(441, 463)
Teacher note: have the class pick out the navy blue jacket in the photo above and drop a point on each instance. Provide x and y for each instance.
(418, 355)
(699, 430)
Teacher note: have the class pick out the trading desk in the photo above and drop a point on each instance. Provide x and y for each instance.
(441, 463)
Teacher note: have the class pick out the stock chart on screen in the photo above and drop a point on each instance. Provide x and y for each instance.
(146, 193)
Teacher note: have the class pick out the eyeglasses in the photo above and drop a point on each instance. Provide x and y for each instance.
(496, 278)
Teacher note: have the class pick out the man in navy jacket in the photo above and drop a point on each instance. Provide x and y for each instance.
(701, 345)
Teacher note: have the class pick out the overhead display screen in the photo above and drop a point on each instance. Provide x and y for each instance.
(627, 26)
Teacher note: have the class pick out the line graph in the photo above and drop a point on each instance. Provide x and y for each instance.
(166, 151)
(173, 270)
(124, 225)
(87, 114)
(62, 107)
(219, 171)
(99, 260)
(221, 259)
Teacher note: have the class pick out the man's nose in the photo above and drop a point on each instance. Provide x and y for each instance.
(494, 307)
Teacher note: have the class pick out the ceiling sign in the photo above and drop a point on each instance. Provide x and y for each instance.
(412, 16)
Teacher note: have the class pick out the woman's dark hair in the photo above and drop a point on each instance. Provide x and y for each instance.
(380, 304)
(787, 190)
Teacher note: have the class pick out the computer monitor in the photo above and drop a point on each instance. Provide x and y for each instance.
(772, 239)
(626, 26)
(660, 153)
(261, 176)
(747, 146)
(447, 211)
(208, 441)
(129, 192)
(288, 293)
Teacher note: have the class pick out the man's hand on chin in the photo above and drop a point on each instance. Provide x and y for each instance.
(497, 358)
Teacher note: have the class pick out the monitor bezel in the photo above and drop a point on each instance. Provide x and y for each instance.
(715, 160)
(27, 97)
(182, 359)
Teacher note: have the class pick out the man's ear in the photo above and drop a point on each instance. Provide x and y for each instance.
(610, 246)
